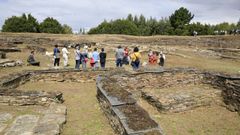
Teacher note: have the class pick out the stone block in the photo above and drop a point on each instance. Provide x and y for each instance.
(23, 125)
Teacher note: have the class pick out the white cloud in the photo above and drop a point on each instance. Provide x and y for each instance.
(89, 13)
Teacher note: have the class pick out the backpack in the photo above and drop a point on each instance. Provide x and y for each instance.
(137, 60)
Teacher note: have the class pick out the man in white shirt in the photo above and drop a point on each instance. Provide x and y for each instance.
(65, 56)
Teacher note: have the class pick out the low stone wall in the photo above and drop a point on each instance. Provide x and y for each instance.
(65, 75)
(125, 115)
(193, 88)
(10, 50)
(230, 86)
(14, 80)
(23, 98)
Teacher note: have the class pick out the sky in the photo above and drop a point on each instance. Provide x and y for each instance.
(89, 13)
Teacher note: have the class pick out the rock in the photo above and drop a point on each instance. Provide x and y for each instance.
(55, 108)
(23, 125)
(47, 129)
(2, 127)
(4, 117)
(60, 119)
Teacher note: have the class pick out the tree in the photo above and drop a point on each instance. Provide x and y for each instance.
(130, 18)
(32, 24)
(115, 27)
(67, 29)
(238, 24)
(24, 23)
(51, 25)
(179, 19)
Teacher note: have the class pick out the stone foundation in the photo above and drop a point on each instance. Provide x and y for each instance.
(14, 80)
(181, 89)
(21, 98)
(125, 115)
(230, 86)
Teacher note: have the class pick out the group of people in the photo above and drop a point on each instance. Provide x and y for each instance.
(155, 57)
(123, 56)
(97, 60)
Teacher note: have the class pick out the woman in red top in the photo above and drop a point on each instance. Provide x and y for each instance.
(126, 56)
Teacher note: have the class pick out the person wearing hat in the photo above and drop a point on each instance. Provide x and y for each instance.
(31, 60)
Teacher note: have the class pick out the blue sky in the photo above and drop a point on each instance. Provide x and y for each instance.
(89, 13)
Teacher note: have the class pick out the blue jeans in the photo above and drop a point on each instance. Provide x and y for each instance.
(135, 65)
(119, 62)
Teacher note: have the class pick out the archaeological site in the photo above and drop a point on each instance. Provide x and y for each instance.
(197, 92)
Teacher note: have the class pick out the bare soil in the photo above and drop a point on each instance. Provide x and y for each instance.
(114, 90)
(137, 118)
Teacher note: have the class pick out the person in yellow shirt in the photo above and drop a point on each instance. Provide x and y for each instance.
(135, 57)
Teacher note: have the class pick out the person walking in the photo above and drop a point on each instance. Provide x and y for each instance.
(56, 55)
(77, 57)
(95, 56)
(135, 57)
(65, 53)
(119, 56)
(103, 56)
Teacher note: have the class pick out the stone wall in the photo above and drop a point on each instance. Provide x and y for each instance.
(14, 80)
(191, 88)
(230, 86)
(65, 75)
(24, 98)
(125, 115)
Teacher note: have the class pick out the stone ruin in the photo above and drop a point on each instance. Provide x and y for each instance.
(170, 91)
(48, 118)
(50, 113)
(178, 90)
(4, 62)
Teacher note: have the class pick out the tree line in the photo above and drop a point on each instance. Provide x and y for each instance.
(28, 23)
(176, 24)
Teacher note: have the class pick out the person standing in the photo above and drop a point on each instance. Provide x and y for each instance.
(90, 58)
(126, 56)
(95, 56)
(162, 58)
(119, 56)
(84, 58)
(65, 56)
(56, 55)
(135, 57)
(77, 57)
(103, 56)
